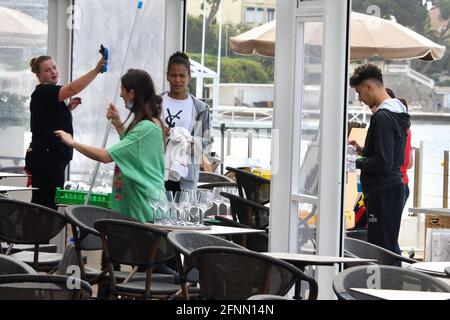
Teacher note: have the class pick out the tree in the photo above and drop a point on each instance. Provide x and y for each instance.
(213, 6)
(410, 13)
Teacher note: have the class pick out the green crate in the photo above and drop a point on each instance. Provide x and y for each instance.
(78, 197)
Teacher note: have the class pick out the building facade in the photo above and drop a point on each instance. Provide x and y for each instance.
(239, 11)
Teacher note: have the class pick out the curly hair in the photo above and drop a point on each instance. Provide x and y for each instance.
(179, 58)
(365, 72)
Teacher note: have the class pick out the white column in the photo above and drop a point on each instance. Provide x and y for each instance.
(173, 30)
(281, 157)
(59, 38)
(333, 137)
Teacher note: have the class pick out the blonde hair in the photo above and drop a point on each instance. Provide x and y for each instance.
(35, 63)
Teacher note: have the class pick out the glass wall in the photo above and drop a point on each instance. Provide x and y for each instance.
(23, 34)
(135, 39)
(309, 105)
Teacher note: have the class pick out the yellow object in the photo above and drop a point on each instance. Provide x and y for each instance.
(264, 173)
(349, 219)
(302, 214)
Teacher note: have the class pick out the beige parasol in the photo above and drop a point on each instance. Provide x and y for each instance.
(19, 29)
(369, 35)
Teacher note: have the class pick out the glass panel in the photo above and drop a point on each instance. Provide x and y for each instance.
(109, 22)
(23, 35)
(310, 108)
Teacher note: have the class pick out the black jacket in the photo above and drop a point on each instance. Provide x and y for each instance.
(383, 151)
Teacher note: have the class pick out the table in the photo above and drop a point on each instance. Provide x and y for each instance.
(215, 230)
(302, 260)
(6, 189)
(403, 294)
(437, 211)
(431, 268)
(12, 175)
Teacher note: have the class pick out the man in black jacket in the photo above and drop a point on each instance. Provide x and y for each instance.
(382, 157)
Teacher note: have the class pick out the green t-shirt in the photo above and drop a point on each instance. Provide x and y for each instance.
(139, 170)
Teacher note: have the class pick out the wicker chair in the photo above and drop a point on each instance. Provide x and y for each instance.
(43, 287)
(10, 265)
(28, 223)
(231, 273)
(140, 246)
(388, 277)
(361, 249)
(255, 187)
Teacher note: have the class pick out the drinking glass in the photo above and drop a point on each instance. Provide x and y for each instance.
(217, 198)
(153, 197)
(181, 204)
(205, 202)
(163, 205)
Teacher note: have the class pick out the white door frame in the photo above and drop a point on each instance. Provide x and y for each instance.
(284, 197)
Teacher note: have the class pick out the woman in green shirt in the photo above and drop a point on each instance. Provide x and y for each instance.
(139, 155)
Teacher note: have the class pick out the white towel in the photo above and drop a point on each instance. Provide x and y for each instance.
(177, 154)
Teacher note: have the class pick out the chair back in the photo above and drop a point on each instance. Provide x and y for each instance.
(133, 243)
(256, 188)
(28, 223)
(368, 250)
(258, 242)
(212, 185)
(248, 212)
(233, 273)
(82, 219)
(210, 177)
(9, 265)
(43, 287)
(387, 277)
(185, 242)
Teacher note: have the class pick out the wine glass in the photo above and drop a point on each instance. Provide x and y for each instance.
(153, 197)
(192, 208)
(217, 198)
(226, 201)
(169, 211)
(181, 204)
(163, 205)
(205, 202)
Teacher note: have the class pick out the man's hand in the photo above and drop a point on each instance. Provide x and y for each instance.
(356, 145)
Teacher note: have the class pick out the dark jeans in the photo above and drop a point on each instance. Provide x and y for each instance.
(47, 170)
(173, 186)
(384, 214)
(406, 193)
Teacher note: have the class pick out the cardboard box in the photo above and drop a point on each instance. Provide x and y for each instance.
(433, 222)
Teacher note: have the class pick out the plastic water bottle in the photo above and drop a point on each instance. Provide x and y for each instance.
(358, 183)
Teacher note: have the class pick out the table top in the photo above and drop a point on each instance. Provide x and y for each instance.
(437, 211)
(214, 230)
(223, 230)
(403, 294)
(432, 268)
(317, 260)
(4, 189)
(12, 175)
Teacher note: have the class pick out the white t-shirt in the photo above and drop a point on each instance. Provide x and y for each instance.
(177, 113)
